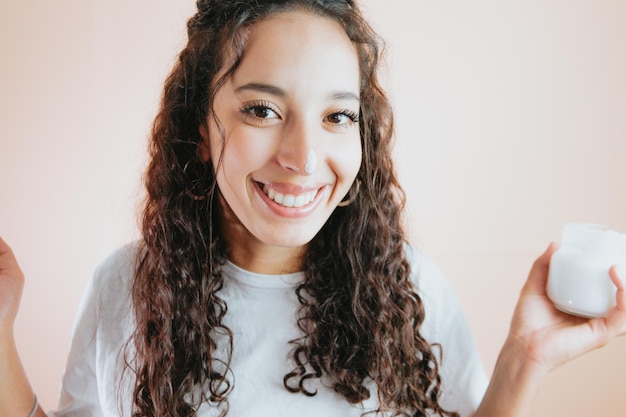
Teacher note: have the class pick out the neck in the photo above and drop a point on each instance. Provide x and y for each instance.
(270, 260)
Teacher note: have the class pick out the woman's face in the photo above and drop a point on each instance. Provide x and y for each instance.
(292, 145)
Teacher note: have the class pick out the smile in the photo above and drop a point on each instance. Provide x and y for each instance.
(289, 200)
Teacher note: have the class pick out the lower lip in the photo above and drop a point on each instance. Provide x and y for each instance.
(291, 212)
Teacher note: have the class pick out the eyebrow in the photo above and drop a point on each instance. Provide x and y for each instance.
(263, 88)
(279, 92)
(345, 95)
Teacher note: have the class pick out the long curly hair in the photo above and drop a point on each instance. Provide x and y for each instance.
(360, 316)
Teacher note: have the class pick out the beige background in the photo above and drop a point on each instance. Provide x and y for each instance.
(510, 122)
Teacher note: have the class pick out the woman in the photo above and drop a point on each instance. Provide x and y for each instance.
(273, 275)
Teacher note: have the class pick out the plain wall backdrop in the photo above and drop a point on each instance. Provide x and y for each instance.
(510, 116)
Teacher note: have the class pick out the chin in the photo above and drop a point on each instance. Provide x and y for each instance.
(288, 241)
(291, 243)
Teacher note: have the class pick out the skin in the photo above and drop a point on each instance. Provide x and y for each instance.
(275, 112)
(272, 148)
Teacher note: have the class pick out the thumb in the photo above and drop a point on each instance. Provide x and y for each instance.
(538, 275)
(8, 263)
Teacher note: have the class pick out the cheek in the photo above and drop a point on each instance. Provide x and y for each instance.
(243, 152)
(357, 157)
(348, 159)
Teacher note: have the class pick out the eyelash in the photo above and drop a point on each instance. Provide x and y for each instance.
(247, 109)
(353, 116)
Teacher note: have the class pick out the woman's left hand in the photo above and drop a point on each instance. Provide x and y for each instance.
(552, 338)
(541, 339)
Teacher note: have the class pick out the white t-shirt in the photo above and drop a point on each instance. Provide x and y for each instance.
(262, 315)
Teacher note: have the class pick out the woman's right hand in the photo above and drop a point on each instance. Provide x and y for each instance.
(11, 286)
(16, 395)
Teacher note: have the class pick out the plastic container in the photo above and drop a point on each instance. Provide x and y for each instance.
(578, 280)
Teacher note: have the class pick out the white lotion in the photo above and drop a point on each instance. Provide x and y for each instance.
(311, 162)
(578, 281)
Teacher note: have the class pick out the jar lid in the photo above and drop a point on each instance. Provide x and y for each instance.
(594, 237)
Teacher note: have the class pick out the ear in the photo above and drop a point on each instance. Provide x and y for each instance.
(204, 150)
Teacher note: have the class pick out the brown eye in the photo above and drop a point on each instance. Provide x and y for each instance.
(262, 112)
(259, 112)
(344, 117)
(336, 118)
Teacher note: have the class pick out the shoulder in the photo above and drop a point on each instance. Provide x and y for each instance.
(117, 269)
(111, 284)
(119, 262)
(428, 279)
(442, 307)
(103, 325)
(445, 325)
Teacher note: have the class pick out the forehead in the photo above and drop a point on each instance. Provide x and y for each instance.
(299, 45)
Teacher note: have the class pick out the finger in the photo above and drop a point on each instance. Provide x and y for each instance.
(538, 275)
(5, 249)
(3, 246)
(8, 263)
(616, 318)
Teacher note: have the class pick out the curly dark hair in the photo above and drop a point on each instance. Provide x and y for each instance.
(360, 316)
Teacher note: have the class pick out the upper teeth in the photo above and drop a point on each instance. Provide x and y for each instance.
(289, 200)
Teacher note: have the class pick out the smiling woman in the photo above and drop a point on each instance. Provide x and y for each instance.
(273, 276)
(266, 111)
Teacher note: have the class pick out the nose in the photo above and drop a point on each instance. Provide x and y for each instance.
(296, 151)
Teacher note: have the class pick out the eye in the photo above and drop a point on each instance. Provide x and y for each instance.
(262, 112)
(259, 111)
(343, 117)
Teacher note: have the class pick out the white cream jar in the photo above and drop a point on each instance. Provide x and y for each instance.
(578, 280)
